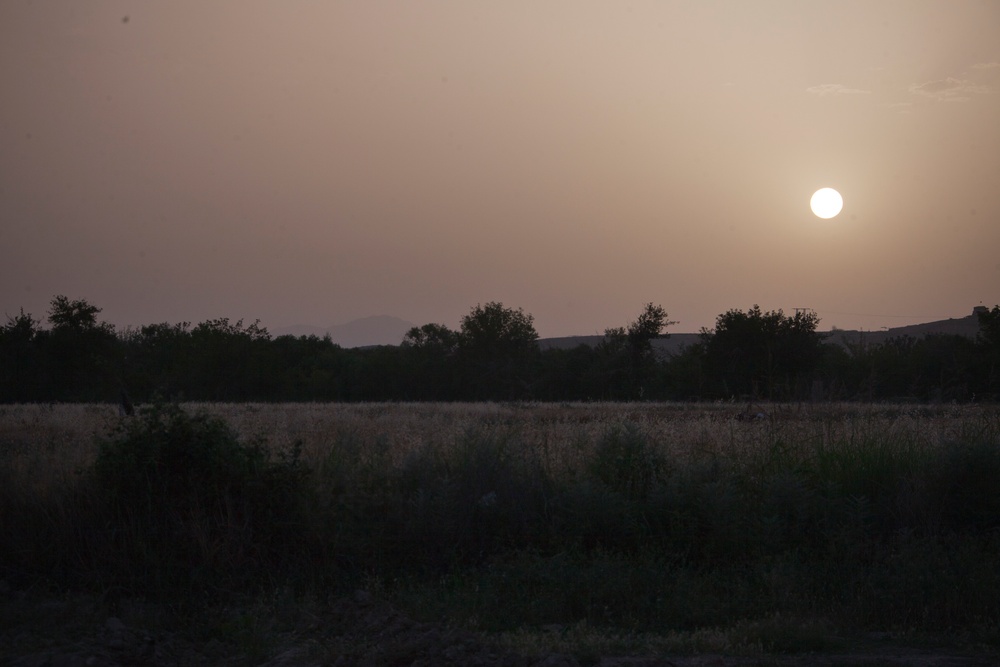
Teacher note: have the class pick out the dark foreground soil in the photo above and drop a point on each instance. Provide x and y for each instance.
(354, 631)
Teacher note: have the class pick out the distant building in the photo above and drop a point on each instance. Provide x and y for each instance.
(980, 309)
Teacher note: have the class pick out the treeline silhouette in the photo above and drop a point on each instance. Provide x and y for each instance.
(751, 355)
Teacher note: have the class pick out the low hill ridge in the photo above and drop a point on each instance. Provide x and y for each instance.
(967, 326)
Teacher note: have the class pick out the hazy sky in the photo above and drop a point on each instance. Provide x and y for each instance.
(320, 161)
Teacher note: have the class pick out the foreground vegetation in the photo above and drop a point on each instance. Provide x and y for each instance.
(602, 520)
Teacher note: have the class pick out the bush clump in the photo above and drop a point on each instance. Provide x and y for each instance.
(187, 503)
(627, 462)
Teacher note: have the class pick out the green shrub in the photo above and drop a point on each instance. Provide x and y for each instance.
(627, 462)
(485, 496)
(189, 505)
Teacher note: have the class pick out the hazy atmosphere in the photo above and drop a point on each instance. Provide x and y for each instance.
(318, 162)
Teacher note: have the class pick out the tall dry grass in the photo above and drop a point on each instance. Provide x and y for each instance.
(44, 445)
(636, 515)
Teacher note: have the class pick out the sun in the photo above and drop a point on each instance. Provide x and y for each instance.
(826, 203)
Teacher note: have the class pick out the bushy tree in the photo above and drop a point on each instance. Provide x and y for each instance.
(430, 361)
(227, 359)
(21, 327)
(763, 354)
(20, 362)
(155, 358)
(498, 346)
(77, 316)
(434, 338)
(306, 368)
(496, 329)
(629, 352)
(569, 375)
(988, 342)
(84, 358)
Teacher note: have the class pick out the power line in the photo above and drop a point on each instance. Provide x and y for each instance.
(840, 312)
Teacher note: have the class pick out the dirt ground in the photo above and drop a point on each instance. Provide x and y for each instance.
(353, 631)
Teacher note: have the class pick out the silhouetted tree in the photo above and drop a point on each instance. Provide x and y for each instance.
(839, 372)
(629, 352)
(494, 355)
(988, 344)
(686, 375)
(943, 367)
(436, 338)
(84, 355)
(76, 316)
(21, 374)
(227, 360)
(498, 345)
(430, 356)
(307, 368)
(568, 375)
(763, 354)
(157, 356)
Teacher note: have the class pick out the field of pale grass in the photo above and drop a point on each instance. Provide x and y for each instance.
(44, 443)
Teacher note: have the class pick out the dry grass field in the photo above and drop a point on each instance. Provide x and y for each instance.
(591, 528)
(45, 443)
